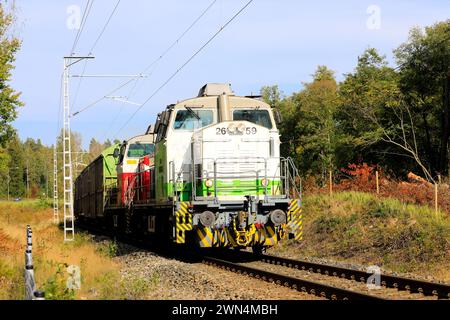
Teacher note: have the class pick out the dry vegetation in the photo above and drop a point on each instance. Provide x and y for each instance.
(361, 228)
(100, 274)
(361, 178)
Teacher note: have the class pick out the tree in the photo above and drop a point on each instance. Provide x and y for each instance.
(9, 98)
(375, 116)
(271, 95)
(95, 149)
(4, 170)
(17, 167)
(308, 130)
(424, 80)
(317, 103)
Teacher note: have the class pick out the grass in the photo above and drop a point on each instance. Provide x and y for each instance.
(361, 228)
(100, 273)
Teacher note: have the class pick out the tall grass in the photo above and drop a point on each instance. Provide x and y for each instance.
(100, 274)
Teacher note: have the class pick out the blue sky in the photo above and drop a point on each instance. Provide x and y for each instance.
(272, 42)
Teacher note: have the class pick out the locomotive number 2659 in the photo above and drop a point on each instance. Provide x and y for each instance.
(224, 131)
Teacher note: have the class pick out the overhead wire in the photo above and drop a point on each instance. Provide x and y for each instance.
(105, 26)
(153, 63)
(87, 11)
(184, 64)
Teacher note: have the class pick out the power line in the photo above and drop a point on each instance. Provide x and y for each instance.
(185, 64)
(86, 12)
(160, 57)
(100, 99)
(104, 27)
(181, 36)
(92, 49)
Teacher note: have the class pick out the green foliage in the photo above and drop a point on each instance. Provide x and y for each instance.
(17, 158)
(56, 287)
(109, 249)
(309, 132)
(397, 118)
(271, 95)
(44, 203)
(112, 287)
(9, 98)
(12, 282)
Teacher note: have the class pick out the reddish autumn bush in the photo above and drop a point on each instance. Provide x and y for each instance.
(361, 178)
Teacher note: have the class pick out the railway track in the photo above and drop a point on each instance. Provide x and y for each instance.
(241, 263)
(311, 287)
(247, 263)
(426, 288)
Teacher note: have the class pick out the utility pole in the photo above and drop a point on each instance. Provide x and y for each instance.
(69, 227)
(55, 186)
(79, 161)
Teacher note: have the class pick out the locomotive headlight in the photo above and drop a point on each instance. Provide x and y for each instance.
(208, 183)
(241, 127)
(207, 219)
(232, 127)
(278, 217)
(264, 182)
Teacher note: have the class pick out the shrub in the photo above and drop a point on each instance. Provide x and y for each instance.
(56, 285)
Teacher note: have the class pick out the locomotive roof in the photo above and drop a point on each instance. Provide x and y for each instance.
(144, 137)
(215, 89)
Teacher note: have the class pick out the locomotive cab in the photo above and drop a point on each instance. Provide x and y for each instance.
(129, 156)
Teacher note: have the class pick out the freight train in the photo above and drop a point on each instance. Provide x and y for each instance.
(208, 173)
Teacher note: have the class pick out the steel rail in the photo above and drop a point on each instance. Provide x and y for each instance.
(307, 286)
(442, 291)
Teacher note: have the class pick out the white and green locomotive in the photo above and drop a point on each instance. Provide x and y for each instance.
(218, 165)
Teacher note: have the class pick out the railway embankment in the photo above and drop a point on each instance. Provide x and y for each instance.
(109, 269)
(55, 262)
(349, 229)
(359, 230)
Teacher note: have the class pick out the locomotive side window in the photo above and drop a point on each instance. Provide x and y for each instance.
(193, 119)
(259, 117)
(137, 150)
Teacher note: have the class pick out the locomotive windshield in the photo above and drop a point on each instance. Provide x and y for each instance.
(137, 150)
(193, 119)
(259, 117)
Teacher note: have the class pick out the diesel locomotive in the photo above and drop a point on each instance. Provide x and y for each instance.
(208, 173)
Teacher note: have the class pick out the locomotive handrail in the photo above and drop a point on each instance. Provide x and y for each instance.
(285, 171)
(288, 174)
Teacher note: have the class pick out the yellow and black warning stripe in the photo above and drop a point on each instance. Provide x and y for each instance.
(271, 237)
(183, 221)
(205, 237)
(257, 237)
(220, 238)
(295, 220)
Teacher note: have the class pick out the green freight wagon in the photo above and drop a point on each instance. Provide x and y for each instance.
(95, 185)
